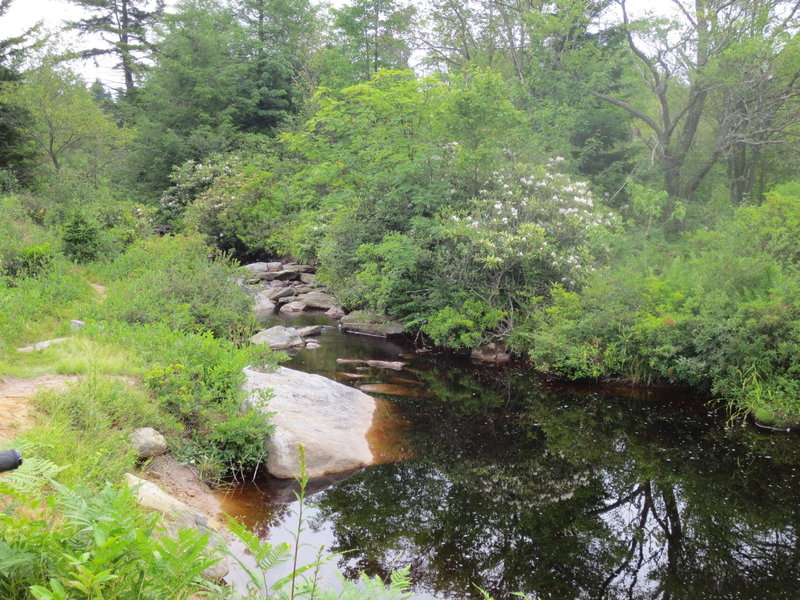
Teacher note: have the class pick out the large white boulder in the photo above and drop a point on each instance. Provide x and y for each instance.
(329, 419)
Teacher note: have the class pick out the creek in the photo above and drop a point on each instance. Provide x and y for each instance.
(509, 483)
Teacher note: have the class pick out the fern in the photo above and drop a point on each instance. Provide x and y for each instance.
(267, 556)
(31, 476)
(373, 588)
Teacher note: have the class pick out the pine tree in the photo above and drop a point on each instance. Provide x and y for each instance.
(124, 26)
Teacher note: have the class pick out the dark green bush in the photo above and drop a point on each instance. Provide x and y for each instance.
(719, 312)
(174, 280)
(81, 238)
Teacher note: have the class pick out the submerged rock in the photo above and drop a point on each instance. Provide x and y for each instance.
(490, 353)
(368, 323)
(329, 419)
(278, 338)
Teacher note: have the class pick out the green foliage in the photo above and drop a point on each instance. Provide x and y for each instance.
(95, 544)
(30, 306)
(173, 280)
(26, 248)
(85, 430)
(373, 35)
(34, 260)
(716, 311)
(243, 212)
(196, 379)
(465, 326)
(60, 119)
(189, 180)
(222, 75)
(81, 238)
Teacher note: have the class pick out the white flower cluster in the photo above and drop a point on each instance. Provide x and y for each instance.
(541, 220)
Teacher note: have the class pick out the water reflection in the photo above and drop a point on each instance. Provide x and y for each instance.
(568, 495)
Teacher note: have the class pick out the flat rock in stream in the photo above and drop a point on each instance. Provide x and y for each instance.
(318, 300)
(277, 293)
(368, 323)
(278, 338)
(263, 307)
(309, 330)
(294, 306)
(329, 419)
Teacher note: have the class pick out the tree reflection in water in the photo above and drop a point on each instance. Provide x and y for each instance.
(571, 495)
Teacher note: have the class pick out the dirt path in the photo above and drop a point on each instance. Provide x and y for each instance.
(100, 289)
(16, 412)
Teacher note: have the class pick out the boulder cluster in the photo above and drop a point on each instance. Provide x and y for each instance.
(289, 288)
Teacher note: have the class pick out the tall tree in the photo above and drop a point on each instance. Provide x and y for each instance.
(683, 69)
(186, 105)
(375, 34)
(15, 152)
(216, 76)
(277, 39)
(61, 120)
(124, 27)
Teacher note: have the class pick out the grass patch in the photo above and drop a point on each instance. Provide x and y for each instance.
(80, 355)
(85, 428)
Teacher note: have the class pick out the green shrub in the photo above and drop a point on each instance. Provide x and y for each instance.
(244, 212)
(720, 314)
(21, 238)
(196, 378)
(92, 544)
(189, 181)
(463, 327)
(81, 238)
(173, 280)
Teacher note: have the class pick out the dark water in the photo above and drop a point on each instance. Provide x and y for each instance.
(563, 493)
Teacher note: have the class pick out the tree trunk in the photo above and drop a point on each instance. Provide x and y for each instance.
(127, 59)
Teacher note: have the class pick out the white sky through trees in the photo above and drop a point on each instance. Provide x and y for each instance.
(23, 14)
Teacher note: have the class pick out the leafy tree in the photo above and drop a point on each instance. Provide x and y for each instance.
(374, 34)
(687, 83)
(58, 116)
(530, 44)
(123, 26)
(277, 39)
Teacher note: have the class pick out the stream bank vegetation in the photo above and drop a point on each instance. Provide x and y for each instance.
(561, 179)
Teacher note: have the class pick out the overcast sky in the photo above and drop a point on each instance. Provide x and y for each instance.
(25, 13)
